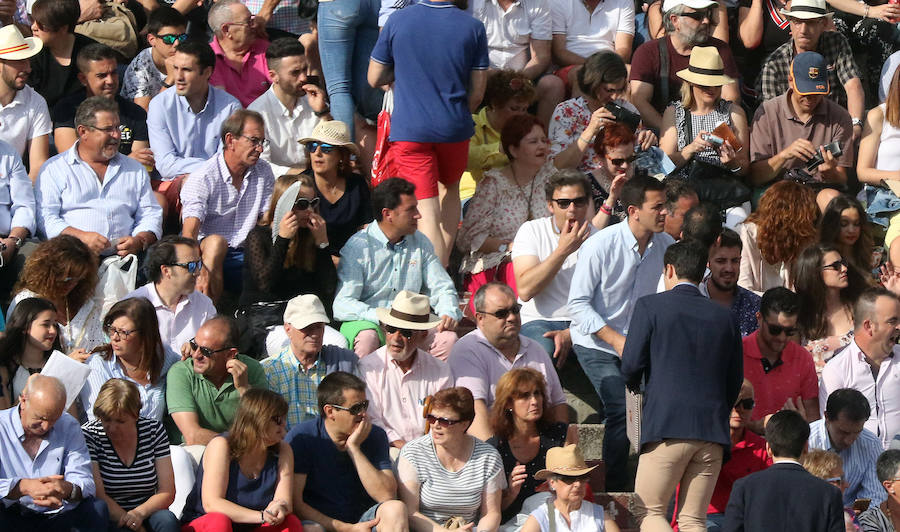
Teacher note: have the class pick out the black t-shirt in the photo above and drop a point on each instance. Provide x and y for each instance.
(52, 80)
(350, 212)
(132, 117)
(776, 32)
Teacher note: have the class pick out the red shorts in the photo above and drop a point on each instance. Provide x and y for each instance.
(172, 191)
(424, 164)
(563, 74)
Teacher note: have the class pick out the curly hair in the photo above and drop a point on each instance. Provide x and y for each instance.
(806, 275)
(507, 85)
(47, 268)
(511, 386)
(257, 410)
(612, 136)
(785, 221)
(860, 254)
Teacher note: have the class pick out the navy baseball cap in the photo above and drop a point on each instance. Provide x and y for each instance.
(810, 74)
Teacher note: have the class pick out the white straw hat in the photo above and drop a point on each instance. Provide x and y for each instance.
(409, 310)
(14, 46)
(332, 132)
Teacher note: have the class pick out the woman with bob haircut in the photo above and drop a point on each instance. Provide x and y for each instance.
(31, 336)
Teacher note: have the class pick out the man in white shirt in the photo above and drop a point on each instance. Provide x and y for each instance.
(544, 254)
(172, 266)
(291, 107)
(870, 364)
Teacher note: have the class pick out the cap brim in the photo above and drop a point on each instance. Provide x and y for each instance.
(384, 315)
(811, 93)
(544, 474)
(705, 80)
(307, 320)
(35, 45)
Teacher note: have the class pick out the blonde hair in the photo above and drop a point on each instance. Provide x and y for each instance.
(257, 408)
(822, 463)
(687, 96)
(117, 397)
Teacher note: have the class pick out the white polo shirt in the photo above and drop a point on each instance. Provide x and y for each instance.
(283, 129)
(509, 32)
(587, 34)
(25, 118)
(176, 328)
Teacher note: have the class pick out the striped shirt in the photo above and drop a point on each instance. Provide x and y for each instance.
(442, 493)
(130, 486)
(859, 463)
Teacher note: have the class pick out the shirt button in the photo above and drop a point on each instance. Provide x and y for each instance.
(404, 399)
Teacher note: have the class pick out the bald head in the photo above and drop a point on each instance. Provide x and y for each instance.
(45, 388)
(42, 403)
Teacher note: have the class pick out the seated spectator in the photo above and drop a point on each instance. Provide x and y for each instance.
(152, 71)
(781, 371)
(26, 119)
(495, 347)
(96, 194)
(773, 236)
(844, 225)
(760, 30)
(434, 493)
(344, 201)
(828, 466)
(245, 477)
(793, 126)
(291, 107)
(578, 35)
(30, 337)
(399, 375)
(46, 466)
(331, 488)
(721, 285)
(224, 200)
(870, 361)
(808, 20)
(391, 248)
(827, 288)
(63, 270)
(202, 392)
(506, 198)
(285, 255)
(137, 492)
(544, 254)
(879, 518)
(688, 24)
(680, 198)
(299, 368)
(508, 93)
(17, 216)
(54, 71)
(653, 19)
(523, 434)
(172, 265)
(565, 468)
(841, 431)
(134, 353)
(240, 55)
(615, 145)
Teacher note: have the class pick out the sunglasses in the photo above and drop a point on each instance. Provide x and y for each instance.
(776, 330)
(503, 313)
(356, 409)
(314, 145)
(702, 14)
(564, 203)
(205, 351)
(390, 329)
(305, 203)
(837, 265)
(745, 404)
(622, 161)
(441, 421)
(192, 267)
(571, 480)
(170, 38)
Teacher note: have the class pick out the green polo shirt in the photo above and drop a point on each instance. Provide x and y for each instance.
(187, 391)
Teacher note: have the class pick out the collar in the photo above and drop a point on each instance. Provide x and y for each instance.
(788, 461)
(436, 4)
(481, 120)
(72, 157)
(376, 233)
(788, 109)
(186, 106)
(768, 366)
(225, 173)
(417, 361)
(482, 339)
(860, 356)
(156, 300)
(287, 356)
(18, 99)
(279, 105)
(687, 284)
(15, 419)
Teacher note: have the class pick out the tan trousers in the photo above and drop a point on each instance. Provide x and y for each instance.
(662, 466)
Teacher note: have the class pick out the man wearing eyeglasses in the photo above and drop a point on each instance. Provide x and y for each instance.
(224, 199)
(240, 55)
(782, 372)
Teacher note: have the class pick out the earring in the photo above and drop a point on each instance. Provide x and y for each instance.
(509, 410)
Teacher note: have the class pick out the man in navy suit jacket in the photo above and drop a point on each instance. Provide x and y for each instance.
(688, 350)
(784, 497)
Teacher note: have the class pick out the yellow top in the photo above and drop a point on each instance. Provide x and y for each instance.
(484, 154)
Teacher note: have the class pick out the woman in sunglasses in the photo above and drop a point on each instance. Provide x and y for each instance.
(343, 195)
(448, 478)
(246, 476)
(135, 353)
(286, 255)
(615, 145)
(828, 288)
(523, 433)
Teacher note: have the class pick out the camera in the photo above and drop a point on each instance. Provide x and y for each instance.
(834, 148)
(623, 115)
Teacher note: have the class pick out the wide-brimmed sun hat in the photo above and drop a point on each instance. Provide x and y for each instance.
(14, 46)
(332, 132)
(705, 68)
(409, 310)
(567, 461)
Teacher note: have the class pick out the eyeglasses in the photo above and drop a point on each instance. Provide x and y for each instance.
(622, 161)
(121, 333)
(301, 204)
(702, 14)
(390, 329)
(503, 313)
(776, 330)
(356, 409)
(441, 421)
(192, 267)
(314, 145)
(205, 351)
(564, 203)
(837, 265)
(257, 142)
(248, 22)
(571, 480)
(170, 38)
(528, 395)
(109, 130)
(745, 404)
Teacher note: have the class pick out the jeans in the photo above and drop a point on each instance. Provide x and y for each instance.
(604, 371)
(90, 515)
(535, 330)
(159, 521)
(348, 30)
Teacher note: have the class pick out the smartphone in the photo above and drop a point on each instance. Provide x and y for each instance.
(713, 139)
(314, 80)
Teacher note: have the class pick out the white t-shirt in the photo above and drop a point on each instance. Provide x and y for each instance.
(539, 238)
(587, 34)
(509, 32)
(25, 118)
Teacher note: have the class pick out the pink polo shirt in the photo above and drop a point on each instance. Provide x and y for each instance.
(795, 375)
(251, 81)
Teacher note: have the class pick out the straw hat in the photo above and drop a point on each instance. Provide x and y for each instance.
(332, 132)
(705, 68)
(566, 461)
(14, 46)
(806, 9)
(409, 311)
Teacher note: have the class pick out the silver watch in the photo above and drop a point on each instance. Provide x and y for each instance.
(323, 245)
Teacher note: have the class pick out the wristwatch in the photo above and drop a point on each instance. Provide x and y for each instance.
(856, 122)
(323, 245)
(502, 247)
(19, 242)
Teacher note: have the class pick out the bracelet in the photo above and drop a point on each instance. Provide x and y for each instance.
(586, 141)
(866, 14)
(262, 517)
(606, 209)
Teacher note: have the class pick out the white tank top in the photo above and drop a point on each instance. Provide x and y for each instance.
(889, 147)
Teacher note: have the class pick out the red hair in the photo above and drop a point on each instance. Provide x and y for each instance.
(516, 128)
(613, 135)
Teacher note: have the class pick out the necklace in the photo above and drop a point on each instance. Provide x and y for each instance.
(527, 198)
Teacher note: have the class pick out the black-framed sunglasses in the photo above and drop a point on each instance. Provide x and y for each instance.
(193, 267)
(565, 479)
(170, 38)
(776, 330)
(390, 329)
(564, 203)
(504, 313)
(624, 160)
(356, 409)
(441, 421)
(301, 204)
(314, 145)
(205, 351)
(745, 404)
(837, 265)
(709, 13)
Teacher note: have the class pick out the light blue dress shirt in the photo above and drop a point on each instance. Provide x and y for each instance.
(859, 463)
(372, 271)
(181, 139)
(62, 452)
(16, 192)
(609, 278)
(69, 194)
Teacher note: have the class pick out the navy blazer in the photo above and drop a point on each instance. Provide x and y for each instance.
(689, 350)
(784, 498)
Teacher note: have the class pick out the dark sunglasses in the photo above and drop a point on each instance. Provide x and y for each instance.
(837, 265)
(564, 203)
(441, 421)
(305, 203)
(702, 14)
(170, 38)
(571, 480)
(622, 161)
(205, 351)
(776, 330)
(745, 404)
(503, 313)
(356, 409)
(390, 329)
(192, 267)
(326, 148)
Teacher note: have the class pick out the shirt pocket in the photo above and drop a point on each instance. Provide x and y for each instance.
(519, 30)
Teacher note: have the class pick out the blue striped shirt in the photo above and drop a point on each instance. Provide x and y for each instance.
(859, 463)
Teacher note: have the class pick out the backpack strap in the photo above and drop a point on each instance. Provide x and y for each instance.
(551, 514)
(662, 93)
